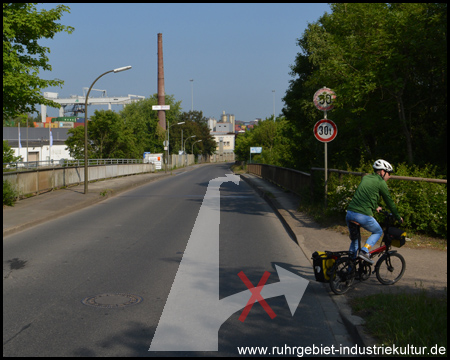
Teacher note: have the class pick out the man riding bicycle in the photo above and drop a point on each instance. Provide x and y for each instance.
(365, 202)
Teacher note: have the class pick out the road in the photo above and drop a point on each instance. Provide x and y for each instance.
(133, 244)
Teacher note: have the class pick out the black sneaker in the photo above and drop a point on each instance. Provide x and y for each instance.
(365, 257)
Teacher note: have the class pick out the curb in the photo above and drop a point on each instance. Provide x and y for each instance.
(354, 324)
(273, 204)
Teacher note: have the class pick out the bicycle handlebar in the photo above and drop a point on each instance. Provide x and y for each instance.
(388, 215)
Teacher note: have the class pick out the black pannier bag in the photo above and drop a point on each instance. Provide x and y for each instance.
(323, 261)
(396, 237)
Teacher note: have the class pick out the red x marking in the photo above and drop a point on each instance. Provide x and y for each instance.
(256, 295)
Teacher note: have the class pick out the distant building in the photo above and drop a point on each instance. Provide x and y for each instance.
(223, 133)
(211, 122)
(224, 127)
(38, 140)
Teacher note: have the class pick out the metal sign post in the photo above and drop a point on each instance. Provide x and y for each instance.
(325, 130)
(326, 167)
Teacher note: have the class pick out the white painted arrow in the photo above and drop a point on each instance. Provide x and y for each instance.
(290, 285)
(193, 313)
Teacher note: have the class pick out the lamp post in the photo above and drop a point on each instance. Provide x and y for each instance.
(184, 146)
(195, 142)
(192, 94)
(86, 177)
(168, 139)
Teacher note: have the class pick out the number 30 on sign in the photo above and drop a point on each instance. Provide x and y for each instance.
(324, 98)
(325, 130)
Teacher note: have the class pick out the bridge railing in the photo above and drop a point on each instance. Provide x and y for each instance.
(28, 180)
(290, 179)
(302, 183)
(21, 165)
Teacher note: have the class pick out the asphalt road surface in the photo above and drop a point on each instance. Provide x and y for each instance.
(61, 279)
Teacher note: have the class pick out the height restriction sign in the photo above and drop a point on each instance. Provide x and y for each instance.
(325, 130)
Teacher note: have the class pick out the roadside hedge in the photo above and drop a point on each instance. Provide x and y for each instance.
(422, 205)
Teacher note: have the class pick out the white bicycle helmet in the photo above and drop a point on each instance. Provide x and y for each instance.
(383, 165)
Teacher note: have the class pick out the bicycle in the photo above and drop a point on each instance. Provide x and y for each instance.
(389, 268)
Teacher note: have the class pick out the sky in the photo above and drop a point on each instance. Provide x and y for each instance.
(237, 54)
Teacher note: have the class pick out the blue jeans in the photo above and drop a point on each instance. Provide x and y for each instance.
(370, 224)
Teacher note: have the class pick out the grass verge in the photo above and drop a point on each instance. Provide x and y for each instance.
(405, 320)
(238, 169)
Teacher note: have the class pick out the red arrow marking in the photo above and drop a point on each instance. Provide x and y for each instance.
(256, 295)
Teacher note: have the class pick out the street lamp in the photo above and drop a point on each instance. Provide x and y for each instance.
(86, 177)
(195, 142)
(184, 146)
(192, 94)
(168, 139)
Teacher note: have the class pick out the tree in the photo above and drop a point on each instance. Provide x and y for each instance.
(274, 139)
(23, 57)
(143, 122)
(135, 130)
(108, 138)
(387, 65)
(194, 124)
(75, 142)
(23, 119)
(8, 153)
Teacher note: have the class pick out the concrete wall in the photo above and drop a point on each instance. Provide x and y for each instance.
(43, 179)
(30, 182)
(177, 161)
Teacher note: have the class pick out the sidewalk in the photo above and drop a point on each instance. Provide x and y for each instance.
(424, 268)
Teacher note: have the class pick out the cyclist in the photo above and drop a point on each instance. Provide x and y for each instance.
(365, 202)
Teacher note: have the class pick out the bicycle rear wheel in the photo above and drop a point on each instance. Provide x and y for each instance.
(390, 268)
(342, 275)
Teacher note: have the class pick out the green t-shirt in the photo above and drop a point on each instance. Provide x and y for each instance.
(367, 195)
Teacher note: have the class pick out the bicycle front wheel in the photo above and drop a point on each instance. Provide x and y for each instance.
(390, 268)
(342, 275)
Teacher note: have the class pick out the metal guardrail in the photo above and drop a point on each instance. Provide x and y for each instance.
(39, 176)
(290, 179)
(296, 181)
(45, 178)
(20, 165)
(174, 160)
(393, 177)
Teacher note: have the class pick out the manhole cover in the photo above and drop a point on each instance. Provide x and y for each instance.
(112, 301)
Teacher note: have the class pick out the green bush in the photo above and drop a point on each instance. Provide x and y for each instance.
(9, 194)
(422, 205)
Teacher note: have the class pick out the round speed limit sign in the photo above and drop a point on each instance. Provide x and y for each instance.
(324, 98)
(325, 130)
